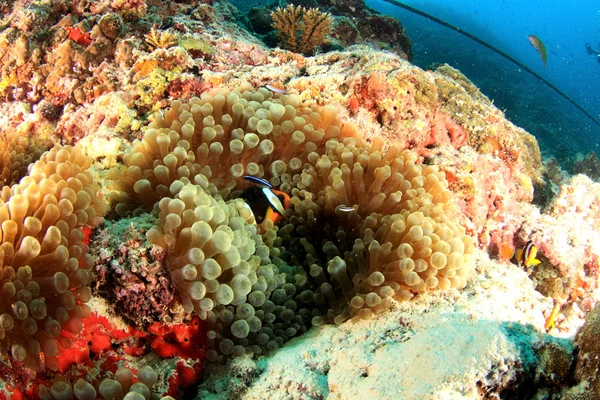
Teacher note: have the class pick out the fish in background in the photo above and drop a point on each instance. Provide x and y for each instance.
(539, 46)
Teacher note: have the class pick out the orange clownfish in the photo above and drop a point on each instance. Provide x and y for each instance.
(265, 202)
(525, 257)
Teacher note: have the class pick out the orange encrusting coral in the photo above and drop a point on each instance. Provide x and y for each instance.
(186, 340)
(76, 35)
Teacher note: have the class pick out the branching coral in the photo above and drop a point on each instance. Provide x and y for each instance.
(160, 40)
(45, 264)
(301, 30)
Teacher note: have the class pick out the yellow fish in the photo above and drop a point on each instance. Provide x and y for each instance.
(525, 257)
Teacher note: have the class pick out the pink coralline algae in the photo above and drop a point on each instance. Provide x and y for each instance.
(567, 232)
(445, 130)
(233, 53)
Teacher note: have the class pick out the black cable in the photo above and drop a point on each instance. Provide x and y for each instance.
(494, 49)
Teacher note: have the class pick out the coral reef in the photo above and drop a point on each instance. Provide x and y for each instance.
(588, 165)
(494, 346)
(395, 176)
(575, 249)
(300, 29)
(130, 273)
(588, 360)
(160, 39)
(353, 23)
(567, 239)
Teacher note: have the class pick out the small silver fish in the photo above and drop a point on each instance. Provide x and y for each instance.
(275, 89)
(345, 209)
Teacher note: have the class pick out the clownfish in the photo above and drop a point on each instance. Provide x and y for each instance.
(525, 257)
(265, 202)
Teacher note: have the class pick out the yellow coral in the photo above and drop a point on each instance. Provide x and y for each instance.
(301, 30)
(8, 81)
(160, 39)
(152, 86)
(144, 67)
(193, 43)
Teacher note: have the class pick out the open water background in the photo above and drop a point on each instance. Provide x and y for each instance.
(564, 26)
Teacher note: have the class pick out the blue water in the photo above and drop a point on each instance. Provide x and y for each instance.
(564, 26)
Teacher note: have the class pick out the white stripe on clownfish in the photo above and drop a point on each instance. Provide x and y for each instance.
(274, 200)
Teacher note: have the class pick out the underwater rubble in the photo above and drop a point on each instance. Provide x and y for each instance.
(135, 266)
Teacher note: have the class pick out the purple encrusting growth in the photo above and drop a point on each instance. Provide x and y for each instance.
(131, 272)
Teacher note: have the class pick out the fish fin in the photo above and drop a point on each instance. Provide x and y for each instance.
(533, 262)
(552, 318)
(247, 206)
(506, 252)
(531, 256)
(257, 180)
